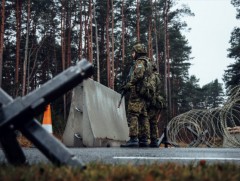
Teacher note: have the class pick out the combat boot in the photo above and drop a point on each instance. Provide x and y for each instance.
(154, 143)
(133, 142)
(143, 142)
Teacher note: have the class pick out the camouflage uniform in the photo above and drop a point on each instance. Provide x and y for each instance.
(137, 112)
(154, 108)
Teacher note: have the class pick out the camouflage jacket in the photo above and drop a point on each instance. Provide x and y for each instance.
(140, 71)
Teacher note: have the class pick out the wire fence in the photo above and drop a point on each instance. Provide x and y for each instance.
(218, 127)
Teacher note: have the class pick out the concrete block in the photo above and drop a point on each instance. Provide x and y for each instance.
(94, 119)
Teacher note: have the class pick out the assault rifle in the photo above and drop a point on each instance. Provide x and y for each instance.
(122, 94)
(124, 91)
(18, 114)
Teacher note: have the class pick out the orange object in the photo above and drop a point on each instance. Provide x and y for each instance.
(47, 119)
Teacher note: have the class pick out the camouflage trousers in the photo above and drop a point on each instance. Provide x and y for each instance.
(153, 116)
(137, 118)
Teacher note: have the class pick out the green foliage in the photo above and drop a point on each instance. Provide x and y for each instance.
(213, 95)
(236, 3)
(193, 96)
(190, 95)
(232, 74)
(45, 48)
(101, 172)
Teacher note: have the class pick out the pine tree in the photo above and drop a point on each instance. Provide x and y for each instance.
(232, 73)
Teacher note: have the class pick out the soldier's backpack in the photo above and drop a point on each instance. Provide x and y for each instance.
(150, 87)
(145, 87)
(156, 100)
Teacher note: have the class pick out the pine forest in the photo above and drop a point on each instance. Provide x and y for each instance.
(41, 38)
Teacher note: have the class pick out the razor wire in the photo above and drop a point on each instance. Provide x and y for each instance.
(216, 127)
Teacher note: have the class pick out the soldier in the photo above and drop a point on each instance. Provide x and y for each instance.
(154, 106)
(137, 113)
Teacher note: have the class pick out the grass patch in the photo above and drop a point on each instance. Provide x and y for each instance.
(107, 172)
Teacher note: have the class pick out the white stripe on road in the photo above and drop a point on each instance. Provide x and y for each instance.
(174, 158)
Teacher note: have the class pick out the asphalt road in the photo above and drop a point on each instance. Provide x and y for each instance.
(142, 156)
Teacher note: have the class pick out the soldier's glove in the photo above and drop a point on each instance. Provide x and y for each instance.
(126, 87)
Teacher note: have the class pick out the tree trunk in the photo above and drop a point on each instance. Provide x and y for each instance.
(167, 65)
(63, 45)
(112, 67)
(107, 46)
(97, 46)
(90, 48)
(69, 30)
(123, 36)
(169, 78)
(86, 34)
(25, 62)
(80, 34)
(138, 21)
(156, 37)
(150, 32)
(2, 39)
(18, 35)
(165, 49)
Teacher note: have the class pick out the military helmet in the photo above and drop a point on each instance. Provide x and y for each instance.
(139, 48)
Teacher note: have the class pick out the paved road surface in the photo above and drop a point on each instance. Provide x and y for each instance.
(142, 156)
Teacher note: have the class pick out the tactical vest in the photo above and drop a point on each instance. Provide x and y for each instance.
(150, 86)
(145, 87)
